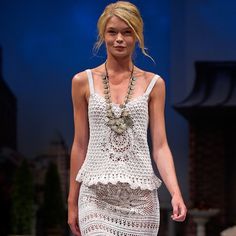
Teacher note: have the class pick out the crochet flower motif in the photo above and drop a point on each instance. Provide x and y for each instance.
(119, 147)
(120, 197)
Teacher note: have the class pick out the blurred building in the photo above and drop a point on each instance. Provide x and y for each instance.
(9, 162)
(57, 153)
(211, 112)
(8, 114)
(9, 157)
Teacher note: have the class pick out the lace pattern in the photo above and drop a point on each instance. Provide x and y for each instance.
(118, 210)
(119, 147)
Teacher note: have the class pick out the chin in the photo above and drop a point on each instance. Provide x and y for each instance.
(121, 54)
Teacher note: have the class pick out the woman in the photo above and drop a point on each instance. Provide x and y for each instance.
(113, 188)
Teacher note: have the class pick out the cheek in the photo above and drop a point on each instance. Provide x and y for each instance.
(131, 42)
(108, 41)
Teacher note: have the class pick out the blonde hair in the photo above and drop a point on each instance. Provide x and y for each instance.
(130, 14)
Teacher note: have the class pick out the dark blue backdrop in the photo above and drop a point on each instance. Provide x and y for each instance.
(45, 43)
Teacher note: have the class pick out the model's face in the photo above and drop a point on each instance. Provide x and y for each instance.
(119, 38)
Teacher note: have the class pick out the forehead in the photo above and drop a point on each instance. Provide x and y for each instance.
(116, 22)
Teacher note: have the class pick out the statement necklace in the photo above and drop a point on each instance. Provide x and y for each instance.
(123, 121)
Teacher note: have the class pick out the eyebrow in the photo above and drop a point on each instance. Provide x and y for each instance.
(127, 28)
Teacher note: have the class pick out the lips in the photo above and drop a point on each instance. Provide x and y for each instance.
(119, 47)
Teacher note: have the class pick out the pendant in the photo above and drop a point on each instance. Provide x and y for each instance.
(119, 124)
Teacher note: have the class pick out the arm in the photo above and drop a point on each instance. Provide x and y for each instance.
(161, 151)
(79, 146)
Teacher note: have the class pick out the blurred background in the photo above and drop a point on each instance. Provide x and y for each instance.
(44, 43)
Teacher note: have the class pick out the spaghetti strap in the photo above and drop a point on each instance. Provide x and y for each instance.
(151, 84)
(90, 80)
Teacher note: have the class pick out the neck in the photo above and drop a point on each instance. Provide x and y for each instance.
(119, 65)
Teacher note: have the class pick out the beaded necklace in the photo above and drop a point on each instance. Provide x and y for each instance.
(123, 121)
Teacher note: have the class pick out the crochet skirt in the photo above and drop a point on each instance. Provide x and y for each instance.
(108, 210)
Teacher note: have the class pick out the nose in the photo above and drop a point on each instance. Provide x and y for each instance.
(119, 38)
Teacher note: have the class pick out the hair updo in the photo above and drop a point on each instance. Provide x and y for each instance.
(127, 12)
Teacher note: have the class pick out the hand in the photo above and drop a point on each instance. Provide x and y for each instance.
(179, 208)
(73, 219)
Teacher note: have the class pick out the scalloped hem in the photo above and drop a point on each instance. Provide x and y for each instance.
(133, 185)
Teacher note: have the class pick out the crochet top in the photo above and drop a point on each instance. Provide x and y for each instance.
(112, 157)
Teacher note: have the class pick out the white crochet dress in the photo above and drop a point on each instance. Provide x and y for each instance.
(118, 195)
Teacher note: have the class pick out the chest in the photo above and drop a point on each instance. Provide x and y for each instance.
(137, 107)
(119, 89)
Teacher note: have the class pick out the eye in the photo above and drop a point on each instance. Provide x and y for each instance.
(112, 32)
(128, 31)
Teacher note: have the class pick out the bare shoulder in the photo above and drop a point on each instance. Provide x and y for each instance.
(147, 76)
(159, 89)
(79, 79)
(80, 87)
